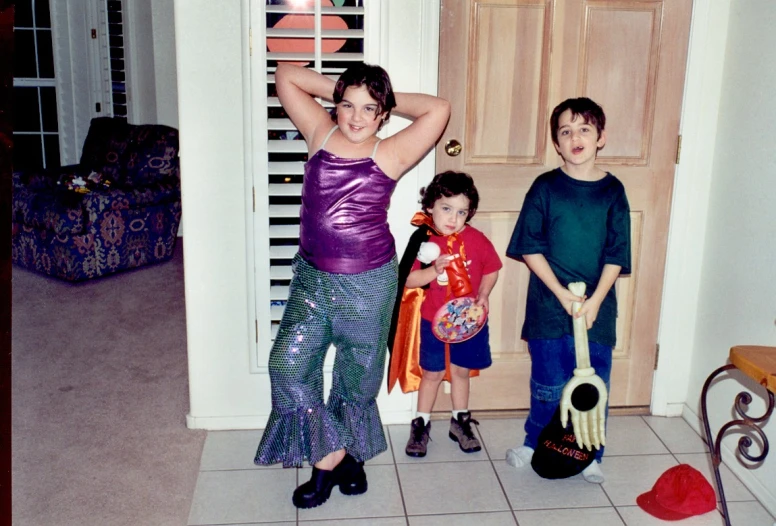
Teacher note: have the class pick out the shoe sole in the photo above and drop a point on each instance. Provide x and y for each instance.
(357, 488)
(313, 503)
(470, 450)
(416, 455)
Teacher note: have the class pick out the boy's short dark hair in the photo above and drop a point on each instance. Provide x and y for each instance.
(378, 85)
(450, 184)
(589, 110)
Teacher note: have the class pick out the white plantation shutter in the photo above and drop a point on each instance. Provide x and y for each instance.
(279, 150)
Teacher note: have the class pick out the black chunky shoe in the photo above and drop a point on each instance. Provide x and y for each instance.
(351, 476)
(317, 490)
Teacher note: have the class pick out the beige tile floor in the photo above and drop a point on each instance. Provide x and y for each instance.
(450, 488)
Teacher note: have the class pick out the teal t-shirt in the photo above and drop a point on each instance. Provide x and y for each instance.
(579, 226)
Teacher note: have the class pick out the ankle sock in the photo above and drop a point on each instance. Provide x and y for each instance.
(425, 416)
(519, 456)
(593, 473)
(456, 412)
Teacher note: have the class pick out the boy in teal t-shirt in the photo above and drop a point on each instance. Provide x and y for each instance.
(574, 226)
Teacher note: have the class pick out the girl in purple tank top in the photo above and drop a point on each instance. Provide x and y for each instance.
(345, 274)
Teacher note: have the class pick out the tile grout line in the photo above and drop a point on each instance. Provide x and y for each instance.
(495, 472)
(659, 438)
(609, 498)
(398, 478)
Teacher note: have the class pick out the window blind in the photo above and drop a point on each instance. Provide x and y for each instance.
(327, 36)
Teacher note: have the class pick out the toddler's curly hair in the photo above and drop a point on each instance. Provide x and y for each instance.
(450, 184)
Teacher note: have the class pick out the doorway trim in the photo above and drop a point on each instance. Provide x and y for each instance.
(689, 211)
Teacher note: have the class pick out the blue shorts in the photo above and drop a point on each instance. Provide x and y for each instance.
(473, 353)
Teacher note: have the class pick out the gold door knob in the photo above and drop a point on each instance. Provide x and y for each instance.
(453, 147)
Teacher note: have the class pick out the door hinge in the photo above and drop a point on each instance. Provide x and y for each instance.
(657, 355)
(250, 41)
(678, 148)
(254, 199)
(94, 34)
(257, 330)
(98, 107)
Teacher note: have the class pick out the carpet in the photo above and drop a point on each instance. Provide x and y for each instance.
(100, 395)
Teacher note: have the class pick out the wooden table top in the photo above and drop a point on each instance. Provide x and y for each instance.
(758, 362)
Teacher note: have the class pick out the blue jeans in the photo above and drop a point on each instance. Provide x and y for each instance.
(552, 366)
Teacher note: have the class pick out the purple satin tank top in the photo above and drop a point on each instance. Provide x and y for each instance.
(344, 215)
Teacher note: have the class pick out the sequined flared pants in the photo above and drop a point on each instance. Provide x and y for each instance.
(351, 311)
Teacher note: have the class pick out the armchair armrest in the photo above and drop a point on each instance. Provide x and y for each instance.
(115, 199)
(48, 208)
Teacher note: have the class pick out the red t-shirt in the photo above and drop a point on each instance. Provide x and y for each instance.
(481, 258)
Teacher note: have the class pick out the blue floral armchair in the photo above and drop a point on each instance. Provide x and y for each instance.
(118, 209)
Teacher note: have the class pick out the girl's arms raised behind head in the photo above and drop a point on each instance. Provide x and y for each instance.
(430, 115)
(297, 87)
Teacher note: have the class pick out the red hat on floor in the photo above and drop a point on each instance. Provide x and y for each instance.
(681, 492)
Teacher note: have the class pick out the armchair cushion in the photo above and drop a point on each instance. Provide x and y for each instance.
(152, 157)
(104, 148)
(131, 156)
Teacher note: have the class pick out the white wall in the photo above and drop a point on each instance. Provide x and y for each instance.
(139, 56)
(165, 74)
(212, 88)
(692, 184)
(152, 82)
(210, 52)
(737, 297)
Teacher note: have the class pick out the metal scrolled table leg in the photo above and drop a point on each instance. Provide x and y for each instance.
(744, 443)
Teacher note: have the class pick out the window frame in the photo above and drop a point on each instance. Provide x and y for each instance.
(39, 82)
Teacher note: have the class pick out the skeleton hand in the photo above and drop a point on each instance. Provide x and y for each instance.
(587, 408)
(584, 396)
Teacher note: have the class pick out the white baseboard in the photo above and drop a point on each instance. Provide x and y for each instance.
(673, 410)
(762, 493)
(392, 418)
(223, 423)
